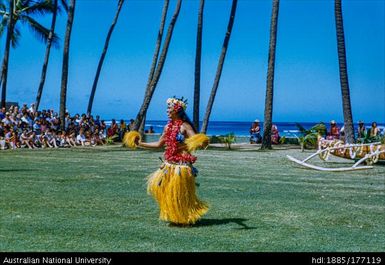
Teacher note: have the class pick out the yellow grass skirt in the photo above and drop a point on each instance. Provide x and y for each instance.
(173, 187)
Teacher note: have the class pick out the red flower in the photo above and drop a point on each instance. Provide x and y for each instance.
(171, 154)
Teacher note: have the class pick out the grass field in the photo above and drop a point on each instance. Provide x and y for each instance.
(94, 199)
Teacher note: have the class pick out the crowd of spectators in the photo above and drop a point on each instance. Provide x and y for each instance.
(27, 128)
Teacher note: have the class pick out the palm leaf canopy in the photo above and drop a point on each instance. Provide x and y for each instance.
(24, 10)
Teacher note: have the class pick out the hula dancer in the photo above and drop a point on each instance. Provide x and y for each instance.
(173, 184)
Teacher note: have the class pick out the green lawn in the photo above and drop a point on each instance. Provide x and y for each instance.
(94, 199)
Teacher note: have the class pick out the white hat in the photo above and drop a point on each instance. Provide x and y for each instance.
(333, 122)
(256, 120)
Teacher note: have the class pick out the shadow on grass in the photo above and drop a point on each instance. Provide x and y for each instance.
(211, 222)
(16, 170)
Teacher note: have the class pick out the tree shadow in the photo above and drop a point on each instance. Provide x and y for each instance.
(238, 221)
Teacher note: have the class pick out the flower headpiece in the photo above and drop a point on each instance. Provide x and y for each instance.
(176, 104)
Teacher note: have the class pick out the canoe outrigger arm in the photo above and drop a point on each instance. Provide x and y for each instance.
(368, 153)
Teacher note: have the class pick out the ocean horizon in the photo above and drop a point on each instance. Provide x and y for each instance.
(241, 128)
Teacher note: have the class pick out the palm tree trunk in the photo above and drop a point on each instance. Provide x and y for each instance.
(46, 58)
(155, 57)
(198, 56)
(219, 68)
(266, 141)
(102, 57)
(64, 80)
(346, 103)
(4, 67)
(149, 93)
(142, 126)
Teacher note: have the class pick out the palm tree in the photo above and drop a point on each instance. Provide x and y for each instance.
(266, 140)
(219, 68)
(20, 11)
(64, 79)
(56, 9)
(198, 55)
(347, 108)
(156, 55)
(101, 60)
(151, 88)
(4, 67)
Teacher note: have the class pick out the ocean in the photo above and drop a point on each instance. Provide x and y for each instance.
(288, 129)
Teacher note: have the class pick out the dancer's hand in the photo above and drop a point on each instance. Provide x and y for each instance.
(137, 141)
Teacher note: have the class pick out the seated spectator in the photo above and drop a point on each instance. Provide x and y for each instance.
(61, 140)
(35, 139)
(43, 125)
(113, 130)
(25, 140)
(11, 139)
(374, 133)
(7, 120)
(150, 130)
(255, 133)
(51, 138)
(98, 137)
(81, 138)
(275, 134)
(89, 138)
(26, 119)
(2, 140)
(334, 132)
(36, 127)
(70, 138)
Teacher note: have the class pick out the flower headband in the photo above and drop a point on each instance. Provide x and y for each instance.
(176, 104)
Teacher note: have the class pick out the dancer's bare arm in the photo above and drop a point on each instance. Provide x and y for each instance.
(187, 130)
(158, 144)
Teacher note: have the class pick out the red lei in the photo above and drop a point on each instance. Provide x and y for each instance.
(172, 154)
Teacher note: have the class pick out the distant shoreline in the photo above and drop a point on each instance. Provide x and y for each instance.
(241, 129)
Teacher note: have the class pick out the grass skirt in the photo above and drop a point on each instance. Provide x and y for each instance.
(173, 187)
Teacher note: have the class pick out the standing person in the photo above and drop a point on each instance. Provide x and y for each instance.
(275, 134)
(122, 129)
(131, 126)
(255, 133)
(173, 184)
(97, 121)
(361, 131)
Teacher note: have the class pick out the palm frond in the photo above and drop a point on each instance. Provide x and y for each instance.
(301, 128)
(39, 8)
(64, 3)
(319, 128)
(15, 37)
(2, 6)
(20, 4)
(3, 25)
(56, 41)
(39, 30)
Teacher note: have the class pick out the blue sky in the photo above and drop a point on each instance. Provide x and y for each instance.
(307, 84)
